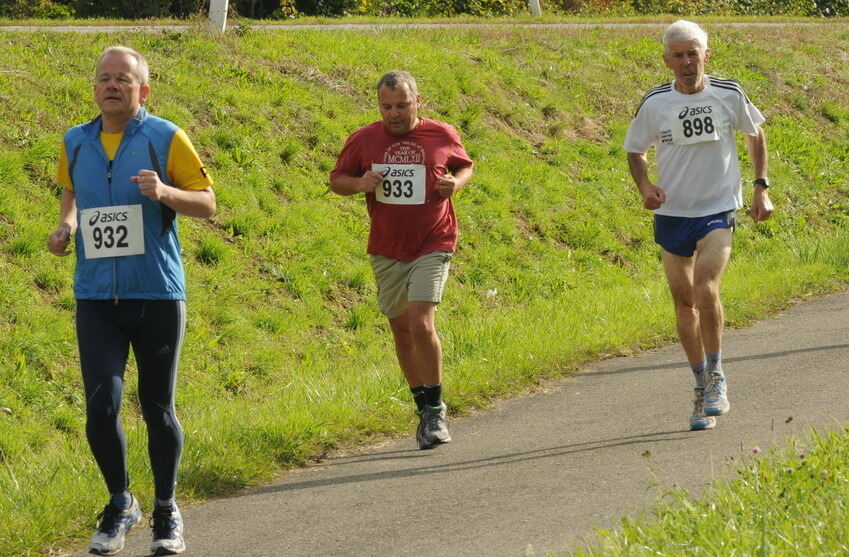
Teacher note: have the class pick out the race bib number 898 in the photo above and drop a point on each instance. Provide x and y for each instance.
(402, 184)
(696, 123)
(112, 231)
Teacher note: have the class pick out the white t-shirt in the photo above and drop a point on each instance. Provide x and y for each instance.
(696, 149)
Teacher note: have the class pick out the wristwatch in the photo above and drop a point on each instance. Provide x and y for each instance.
(762, 182)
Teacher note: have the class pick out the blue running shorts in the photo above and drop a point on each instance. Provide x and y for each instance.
(679, 235)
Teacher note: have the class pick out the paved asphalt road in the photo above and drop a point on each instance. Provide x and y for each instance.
(541, 473)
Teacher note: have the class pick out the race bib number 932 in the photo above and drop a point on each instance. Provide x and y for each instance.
(112, 231)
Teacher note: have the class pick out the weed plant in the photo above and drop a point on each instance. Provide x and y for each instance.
(286, 355)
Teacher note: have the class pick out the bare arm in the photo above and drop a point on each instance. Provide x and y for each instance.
(58, 240)
(762, 207)
(756, 145)
(653, 196)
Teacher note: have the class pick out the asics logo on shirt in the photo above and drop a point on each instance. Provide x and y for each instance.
(695, 111)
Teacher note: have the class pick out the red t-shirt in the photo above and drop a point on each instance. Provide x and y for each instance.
(413, 162)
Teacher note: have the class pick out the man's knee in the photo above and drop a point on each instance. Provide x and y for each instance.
(422, 330)
(421, 322)
(102, 406)
(706, 293)
(159, 418)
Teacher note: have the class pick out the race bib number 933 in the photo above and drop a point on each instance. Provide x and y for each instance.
(112, 231)
(402, 184)
(696, 123)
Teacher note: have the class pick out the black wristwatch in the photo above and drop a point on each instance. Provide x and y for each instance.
(762, 182)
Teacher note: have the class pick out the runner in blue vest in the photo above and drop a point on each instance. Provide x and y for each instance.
(126, 174)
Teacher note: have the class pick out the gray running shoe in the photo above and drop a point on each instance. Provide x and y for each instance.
(716, 395)
(433, 427)
(698, 419)
(108, 539)
(167, 524)
(420, 438)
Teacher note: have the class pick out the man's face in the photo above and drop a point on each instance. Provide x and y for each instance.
(398, 107)
(687, 60)
(117, 90)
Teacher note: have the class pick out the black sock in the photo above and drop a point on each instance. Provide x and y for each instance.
(433, 394)
(419, 396)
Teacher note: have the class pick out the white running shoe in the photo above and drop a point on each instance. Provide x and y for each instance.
(716, 394)
(698, 419)
(108, 539)
(167, 524)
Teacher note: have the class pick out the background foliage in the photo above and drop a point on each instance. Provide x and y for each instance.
(276, 9)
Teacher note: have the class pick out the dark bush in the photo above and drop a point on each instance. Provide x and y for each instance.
(138, 9)
(42, 9)
(327, 8)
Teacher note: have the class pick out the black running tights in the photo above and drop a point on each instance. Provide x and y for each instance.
(105, 332)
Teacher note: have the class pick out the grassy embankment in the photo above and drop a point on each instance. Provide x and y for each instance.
(287, 356)
(792, 502)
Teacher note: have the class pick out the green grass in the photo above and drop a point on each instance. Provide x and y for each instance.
(287, 356)
(790, 502)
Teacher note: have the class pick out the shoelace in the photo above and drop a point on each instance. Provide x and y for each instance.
(163, 522)
(714, 386)
(108, 518)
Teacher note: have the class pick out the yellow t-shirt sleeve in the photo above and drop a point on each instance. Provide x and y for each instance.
(185, 169)
(62, 176)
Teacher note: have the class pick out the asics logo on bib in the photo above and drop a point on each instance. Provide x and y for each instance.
(117, 216)
(399, 172)
(695, 111)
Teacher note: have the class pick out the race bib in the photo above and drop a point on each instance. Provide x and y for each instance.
(696, 123)
(112, 231)
(403, 184)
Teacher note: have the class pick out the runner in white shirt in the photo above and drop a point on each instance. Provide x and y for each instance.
(691, 122)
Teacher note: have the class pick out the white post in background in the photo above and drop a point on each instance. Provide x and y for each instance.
(534, 6)
(218, 15)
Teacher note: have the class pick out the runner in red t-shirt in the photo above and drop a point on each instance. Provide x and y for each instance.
(409, 167)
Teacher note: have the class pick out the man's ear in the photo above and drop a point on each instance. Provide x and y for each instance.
(144, 91)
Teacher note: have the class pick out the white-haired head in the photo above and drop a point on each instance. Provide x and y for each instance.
(142, 69)
(685, 31)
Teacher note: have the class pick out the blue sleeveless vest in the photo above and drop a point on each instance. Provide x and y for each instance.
(157, 274)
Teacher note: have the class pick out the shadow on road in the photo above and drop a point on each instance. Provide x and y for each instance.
(725, 360)
(501, 460)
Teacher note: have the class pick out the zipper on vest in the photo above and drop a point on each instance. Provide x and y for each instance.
(114, 261)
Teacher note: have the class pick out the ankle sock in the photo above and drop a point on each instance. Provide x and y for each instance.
(699, 374)
(418, 396)
(714, 362)
(433, 394)
(163, 502)
(121, 500)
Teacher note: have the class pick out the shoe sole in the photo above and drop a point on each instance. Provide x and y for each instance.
(103, 552)
(703, 426)
(717, 410)
(165, 551)
(425, 444)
